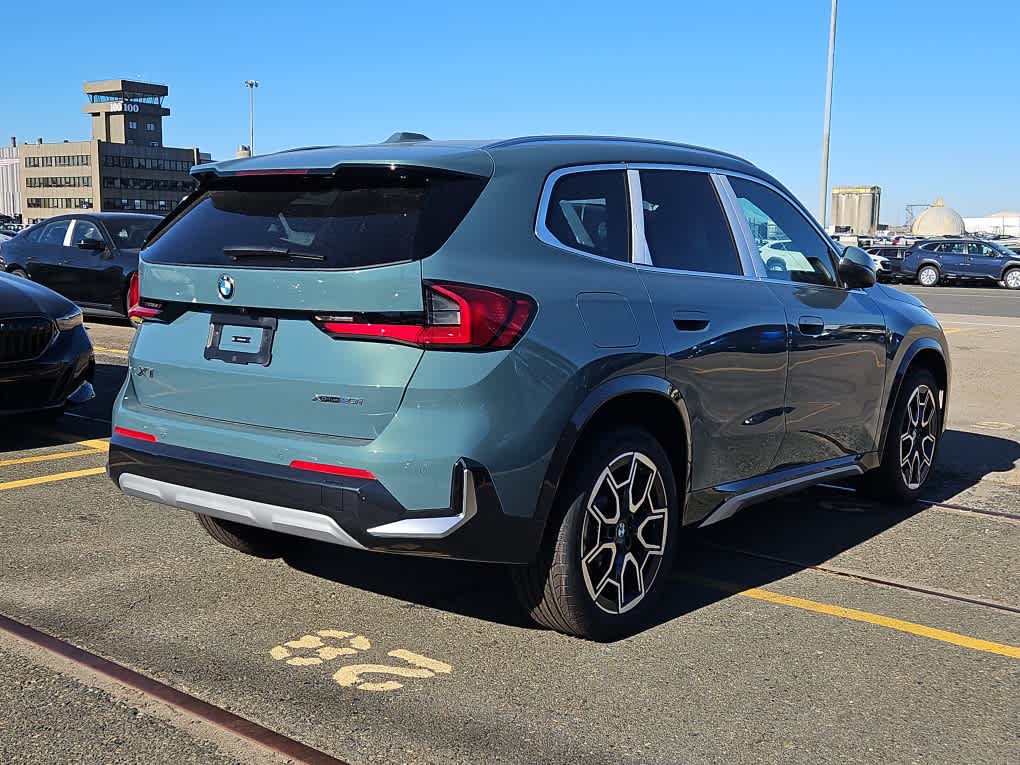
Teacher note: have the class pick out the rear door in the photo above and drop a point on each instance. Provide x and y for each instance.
(252, 275)
(724, 332)
(953, 257)
(44, 264)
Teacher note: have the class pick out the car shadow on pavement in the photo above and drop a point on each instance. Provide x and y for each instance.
(966, 458)
(91, 420)
(757, 547)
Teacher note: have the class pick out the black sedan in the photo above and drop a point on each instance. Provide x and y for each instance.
(91, 259)
(46, 359)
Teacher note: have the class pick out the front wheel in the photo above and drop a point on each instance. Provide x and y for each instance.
(1012, 279)
(605, 563)
(928, 276)
(911, 444)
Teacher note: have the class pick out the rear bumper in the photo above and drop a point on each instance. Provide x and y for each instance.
(354, 512)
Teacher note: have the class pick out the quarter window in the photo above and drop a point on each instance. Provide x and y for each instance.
(684, 223)
(791, 249)
(588, 212)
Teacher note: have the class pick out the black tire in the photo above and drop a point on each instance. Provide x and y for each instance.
(554, 590)
(1011, 279)
(888, 482)
(929, 267)
(247, 539)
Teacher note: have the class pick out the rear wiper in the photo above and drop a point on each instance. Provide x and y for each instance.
(270, 252)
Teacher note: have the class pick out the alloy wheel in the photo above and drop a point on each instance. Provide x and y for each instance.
(623, 536)
(928, 277)
(1013, 279)
(918, 437)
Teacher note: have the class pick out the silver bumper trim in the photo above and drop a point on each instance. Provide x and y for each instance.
(285, 520)
(434, 528)
(733, 504)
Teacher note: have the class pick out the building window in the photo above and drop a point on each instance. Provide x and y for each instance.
(130, 141)
(154, 143)
(150, 127)
(132, 125)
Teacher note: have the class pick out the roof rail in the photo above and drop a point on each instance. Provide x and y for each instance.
(621, 139)
(402, 137)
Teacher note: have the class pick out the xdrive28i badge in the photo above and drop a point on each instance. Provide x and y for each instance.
(225, 285)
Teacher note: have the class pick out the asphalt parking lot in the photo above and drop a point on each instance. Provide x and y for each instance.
(817, 628)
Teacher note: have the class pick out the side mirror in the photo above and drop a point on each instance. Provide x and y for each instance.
(92, 244)
(856, 269)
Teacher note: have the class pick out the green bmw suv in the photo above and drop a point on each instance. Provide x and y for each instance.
(555, 353)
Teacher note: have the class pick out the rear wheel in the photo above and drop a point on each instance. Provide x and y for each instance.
(247, 539)
(605, 563)
(1012, 279)
(911, 443)
(928, 276)
(19, 272)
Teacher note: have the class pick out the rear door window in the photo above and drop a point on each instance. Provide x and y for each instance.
(362, 217)
(587, 211)
(54, 233)
(684, 223)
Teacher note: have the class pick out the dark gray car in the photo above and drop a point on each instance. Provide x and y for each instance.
(89, 258)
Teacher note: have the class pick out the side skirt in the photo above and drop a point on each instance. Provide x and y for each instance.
(718, 503)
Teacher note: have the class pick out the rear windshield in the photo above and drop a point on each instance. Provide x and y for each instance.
(360, 217)
(127, 232)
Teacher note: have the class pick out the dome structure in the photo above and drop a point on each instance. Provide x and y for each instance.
(938, 220)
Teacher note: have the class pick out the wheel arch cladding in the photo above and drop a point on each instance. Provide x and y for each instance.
(641, 401)
(923, 353)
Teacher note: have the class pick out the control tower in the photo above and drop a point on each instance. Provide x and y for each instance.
(127, 112)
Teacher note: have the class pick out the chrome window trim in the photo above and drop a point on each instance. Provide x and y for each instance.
(545, 236)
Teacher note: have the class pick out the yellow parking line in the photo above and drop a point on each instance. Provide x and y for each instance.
(114, 351)
(953, 330)
(90, 452)
(98, 444)
(50, 478)
(944, 636)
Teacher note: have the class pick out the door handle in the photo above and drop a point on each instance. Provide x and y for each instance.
(690, 321)
(811, 325)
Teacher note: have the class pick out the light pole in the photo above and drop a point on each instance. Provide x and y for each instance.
(823, 195)
(251, 85)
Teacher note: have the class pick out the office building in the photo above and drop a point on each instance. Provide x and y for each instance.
(123, 166)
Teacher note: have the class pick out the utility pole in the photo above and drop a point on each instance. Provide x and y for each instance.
(823, 194)
(251, 85)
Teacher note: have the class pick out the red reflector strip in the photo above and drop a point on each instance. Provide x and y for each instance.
(318, 467)
(134, 434)
(289, 171)
(143, 312)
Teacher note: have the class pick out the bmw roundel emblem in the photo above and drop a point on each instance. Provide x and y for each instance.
(225, 286)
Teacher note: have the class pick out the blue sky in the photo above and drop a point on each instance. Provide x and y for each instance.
(927, 94)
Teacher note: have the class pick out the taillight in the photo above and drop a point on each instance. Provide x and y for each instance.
(138, 307)
(319, 467)
(456, 317)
